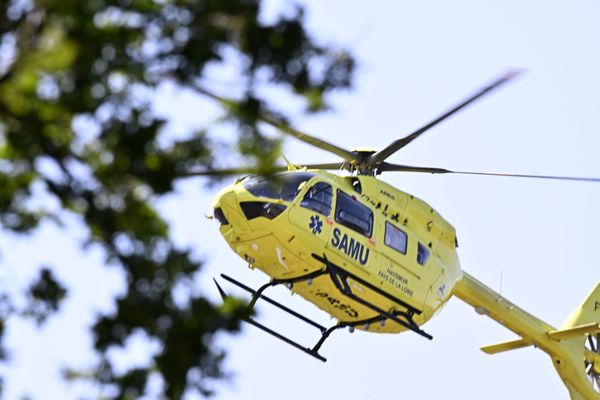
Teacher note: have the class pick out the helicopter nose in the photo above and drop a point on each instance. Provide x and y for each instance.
(227, 211)
(241, 211)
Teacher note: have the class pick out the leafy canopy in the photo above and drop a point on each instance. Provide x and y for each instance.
(77, 80)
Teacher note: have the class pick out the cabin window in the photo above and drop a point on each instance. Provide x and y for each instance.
(395, 238)
(318, 198)
(283, 186)
(422, 254)
(352, 214)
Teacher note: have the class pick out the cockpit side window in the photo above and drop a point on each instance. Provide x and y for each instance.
(395, 238)
(352, 214)
(318, 198)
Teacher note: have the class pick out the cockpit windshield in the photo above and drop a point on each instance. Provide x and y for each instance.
(284, 186)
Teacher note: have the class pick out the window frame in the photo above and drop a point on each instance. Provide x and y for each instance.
(330, 205)
(427, 253)
(340, 194)
(385, 238)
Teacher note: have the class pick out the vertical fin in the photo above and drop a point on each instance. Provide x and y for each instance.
(587, 312)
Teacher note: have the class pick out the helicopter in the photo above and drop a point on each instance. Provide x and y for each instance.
(376, 258)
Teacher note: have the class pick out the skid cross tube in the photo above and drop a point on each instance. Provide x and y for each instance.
(343, 324)
(274, 282)
(340, 280)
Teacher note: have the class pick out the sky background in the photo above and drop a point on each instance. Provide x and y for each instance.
(536, 240)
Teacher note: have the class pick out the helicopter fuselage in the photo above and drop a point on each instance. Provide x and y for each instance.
(379, 259)
(399, 252)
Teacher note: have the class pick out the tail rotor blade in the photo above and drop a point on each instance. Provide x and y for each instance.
(592, 345)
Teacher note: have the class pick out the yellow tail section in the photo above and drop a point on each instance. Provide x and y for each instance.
(587, 312)
(574, 348)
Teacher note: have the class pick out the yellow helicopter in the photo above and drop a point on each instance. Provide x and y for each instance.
(376, 258)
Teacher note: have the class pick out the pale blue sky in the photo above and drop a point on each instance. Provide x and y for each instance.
(415, 60)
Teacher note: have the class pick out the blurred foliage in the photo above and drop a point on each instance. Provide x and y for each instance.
(45, 295)
(76, 119)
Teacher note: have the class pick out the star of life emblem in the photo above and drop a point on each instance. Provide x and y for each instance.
(315, 224)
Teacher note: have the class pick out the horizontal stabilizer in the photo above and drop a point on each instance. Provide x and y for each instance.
(560, 334)
(587, 329)
(505, 346)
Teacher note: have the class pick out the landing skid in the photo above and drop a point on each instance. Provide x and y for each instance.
(339, 276)
(340, 279)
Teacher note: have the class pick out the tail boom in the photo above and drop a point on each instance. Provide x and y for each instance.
(565, 346)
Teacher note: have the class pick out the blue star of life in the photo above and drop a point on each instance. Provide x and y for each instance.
(315, 224)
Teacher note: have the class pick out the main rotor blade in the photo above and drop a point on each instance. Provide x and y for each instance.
(284, 127)
(329, 166)
(385, 167)
(306, 138)
(400, 143)
(253, 171)
(228, 171)
(407, 168)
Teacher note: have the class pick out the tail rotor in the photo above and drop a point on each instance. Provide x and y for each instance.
(592, 363)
